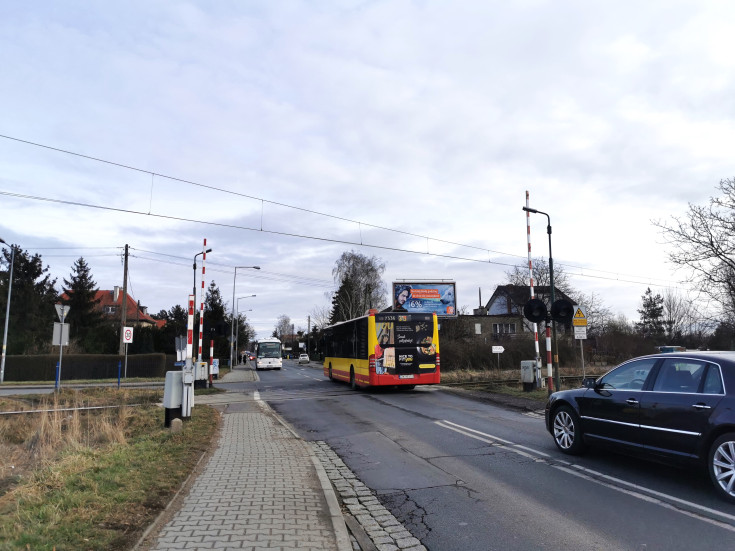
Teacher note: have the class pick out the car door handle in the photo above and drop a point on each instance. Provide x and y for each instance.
(701, 406)
(632, 401)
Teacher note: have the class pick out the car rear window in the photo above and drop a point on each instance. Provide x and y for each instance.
(713, 381)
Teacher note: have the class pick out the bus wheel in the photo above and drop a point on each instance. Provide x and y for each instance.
(353, 383)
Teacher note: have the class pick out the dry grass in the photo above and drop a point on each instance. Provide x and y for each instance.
(495, 375)
(90, 479)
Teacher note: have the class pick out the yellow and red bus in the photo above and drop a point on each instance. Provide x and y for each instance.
(383, 349)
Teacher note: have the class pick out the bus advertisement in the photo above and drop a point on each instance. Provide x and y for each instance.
(425, 298)
(268, 354)
(384, 349)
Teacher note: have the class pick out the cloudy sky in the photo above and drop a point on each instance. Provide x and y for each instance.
(286, 133)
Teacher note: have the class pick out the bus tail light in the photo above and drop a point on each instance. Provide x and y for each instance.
(438, 363)
(371, 363)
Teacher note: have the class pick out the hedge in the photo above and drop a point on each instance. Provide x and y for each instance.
(86, 366)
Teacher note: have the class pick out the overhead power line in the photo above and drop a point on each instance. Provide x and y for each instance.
(623, 278)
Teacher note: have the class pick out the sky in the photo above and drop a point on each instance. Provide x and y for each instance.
(286, 133)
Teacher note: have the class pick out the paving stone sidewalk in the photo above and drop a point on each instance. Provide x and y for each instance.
(263, 488)
(266, 488)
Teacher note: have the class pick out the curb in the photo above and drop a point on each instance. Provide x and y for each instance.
(335, 511)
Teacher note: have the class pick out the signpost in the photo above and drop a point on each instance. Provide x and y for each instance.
(60, 337)
(127, 339)
(579, 322)
(498, 350)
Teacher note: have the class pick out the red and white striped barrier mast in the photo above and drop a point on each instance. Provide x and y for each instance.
(211, 355)
(530, 278)
(187, 399)
(201, 308)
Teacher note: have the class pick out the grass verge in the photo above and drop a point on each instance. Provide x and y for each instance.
(93, 479)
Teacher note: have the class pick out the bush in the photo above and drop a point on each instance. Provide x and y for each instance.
(85, 366)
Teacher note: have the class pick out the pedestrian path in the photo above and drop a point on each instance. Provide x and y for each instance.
(263, 488)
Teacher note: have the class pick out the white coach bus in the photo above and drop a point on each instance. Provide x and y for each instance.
(268, 354)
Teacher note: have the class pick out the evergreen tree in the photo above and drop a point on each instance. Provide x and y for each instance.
(84, 314)
(176, 326)
(651, 324)
(216, 324)
(32, 312)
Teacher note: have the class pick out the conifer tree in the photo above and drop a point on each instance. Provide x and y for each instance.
(84, 316)
(32, 311)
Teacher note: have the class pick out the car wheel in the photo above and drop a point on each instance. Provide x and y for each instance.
(353, 383)
(721, 466)
(567, 431)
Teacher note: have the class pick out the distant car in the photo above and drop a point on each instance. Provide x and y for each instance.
(677, 407)
(252, 357)
(303, 358)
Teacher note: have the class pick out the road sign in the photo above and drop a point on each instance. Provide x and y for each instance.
(62, 310)
(580, 333)
(580, 316)
(498, 349)
(128, 335)
(61, 334)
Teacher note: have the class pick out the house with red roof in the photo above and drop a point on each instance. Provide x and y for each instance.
(111, 302)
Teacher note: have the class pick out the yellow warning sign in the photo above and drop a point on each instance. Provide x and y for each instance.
(580, 317)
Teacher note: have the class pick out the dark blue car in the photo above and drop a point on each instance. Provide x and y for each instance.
(676, 407)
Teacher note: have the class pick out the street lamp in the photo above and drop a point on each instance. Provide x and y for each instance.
(232, 324)
(194, 289)
(553, 297)
(7, 309)
(237, 323)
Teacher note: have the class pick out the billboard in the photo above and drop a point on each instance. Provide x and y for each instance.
(425, 298)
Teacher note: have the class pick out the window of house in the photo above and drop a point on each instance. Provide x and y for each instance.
(110, 309)
(503, 328)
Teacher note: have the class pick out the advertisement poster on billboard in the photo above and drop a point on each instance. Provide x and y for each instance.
(425, 298)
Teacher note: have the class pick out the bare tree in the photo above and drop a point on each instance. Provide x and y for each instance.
(361, 286)
(283, 327)
(320, 315)
(704, 243)
(541, 276)
(598, 315)
(677, 315)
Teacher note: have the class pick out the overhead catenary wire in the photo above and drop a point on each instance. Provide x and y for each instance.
(613, 276)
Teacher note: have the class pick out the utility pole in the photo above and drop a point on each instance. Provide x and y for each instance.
(308, 337)
(124, 303)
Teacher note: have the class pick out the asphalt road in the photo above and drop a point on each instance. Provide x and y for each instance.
(465, 474)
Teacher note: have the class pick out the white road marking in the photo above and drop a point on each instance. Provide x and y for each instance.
(645, 494)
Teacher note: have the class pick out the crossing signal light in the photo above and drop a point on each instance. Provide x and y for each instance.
(535, 310)
(562, 311)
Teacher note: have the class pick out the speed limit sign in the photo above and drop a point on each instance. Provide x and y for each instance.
(128, 335)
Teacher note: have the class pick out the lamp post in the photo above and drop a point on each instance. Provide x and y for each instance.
(553, 297)
(232, 324)
(194, 288)
(7, 309)
(237, 322)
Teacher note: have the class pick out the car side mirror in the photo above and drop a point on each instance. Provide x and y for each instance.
(589, 382)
